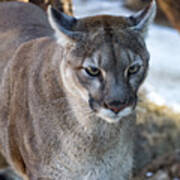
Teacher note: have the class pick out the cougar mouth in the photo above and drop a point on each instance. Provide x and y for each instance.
(112, 115)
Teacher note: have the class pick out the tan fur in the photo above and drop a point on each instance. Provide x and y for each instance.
(47, 129)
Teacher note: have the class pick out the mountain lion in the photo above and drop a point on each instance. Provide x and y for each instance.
(68, 90)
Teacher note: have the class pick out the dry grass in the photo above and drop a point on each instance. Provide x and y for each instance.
(172, 10)
(158, 132)
(63, 5)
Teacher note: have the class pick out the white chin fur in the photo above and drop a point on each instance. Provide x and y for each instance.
(111, 117)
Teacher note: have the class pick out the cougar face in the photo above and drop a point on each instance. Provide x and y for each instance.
(109, 75)
(106, 63)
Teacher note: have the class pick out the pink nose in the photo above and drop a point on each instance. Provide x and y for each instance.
(115, 106)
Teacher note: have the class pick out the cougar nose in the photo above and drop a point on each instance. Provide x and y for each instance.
(115, 106)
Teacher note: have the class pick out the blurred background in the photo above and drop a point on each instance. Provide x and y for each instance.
(157, 146)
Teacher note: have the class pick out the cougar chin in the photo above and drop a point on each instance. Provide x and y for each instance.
(112, 117)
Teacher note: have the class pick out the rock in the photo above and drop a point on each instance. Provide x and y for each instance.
(160, 175)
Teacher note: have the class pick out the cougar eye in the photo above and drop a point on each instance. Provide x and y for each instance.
(133, 69)
(92, 71)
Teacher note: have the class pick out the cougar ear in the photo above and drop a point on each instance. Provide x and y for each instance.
(63, 26)
(144, 18)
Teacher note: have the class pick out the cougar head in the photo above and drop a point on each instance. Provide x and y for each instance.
(106, 59)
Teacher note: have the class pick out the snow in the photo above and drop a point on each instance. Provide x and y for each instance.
(163, 82)
(93, 7)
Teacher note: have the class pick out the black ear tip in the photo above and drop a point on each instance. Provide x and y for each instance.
(133, 20)
(146, 14)
(55, 13)
(61, 20)
(59, 15)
